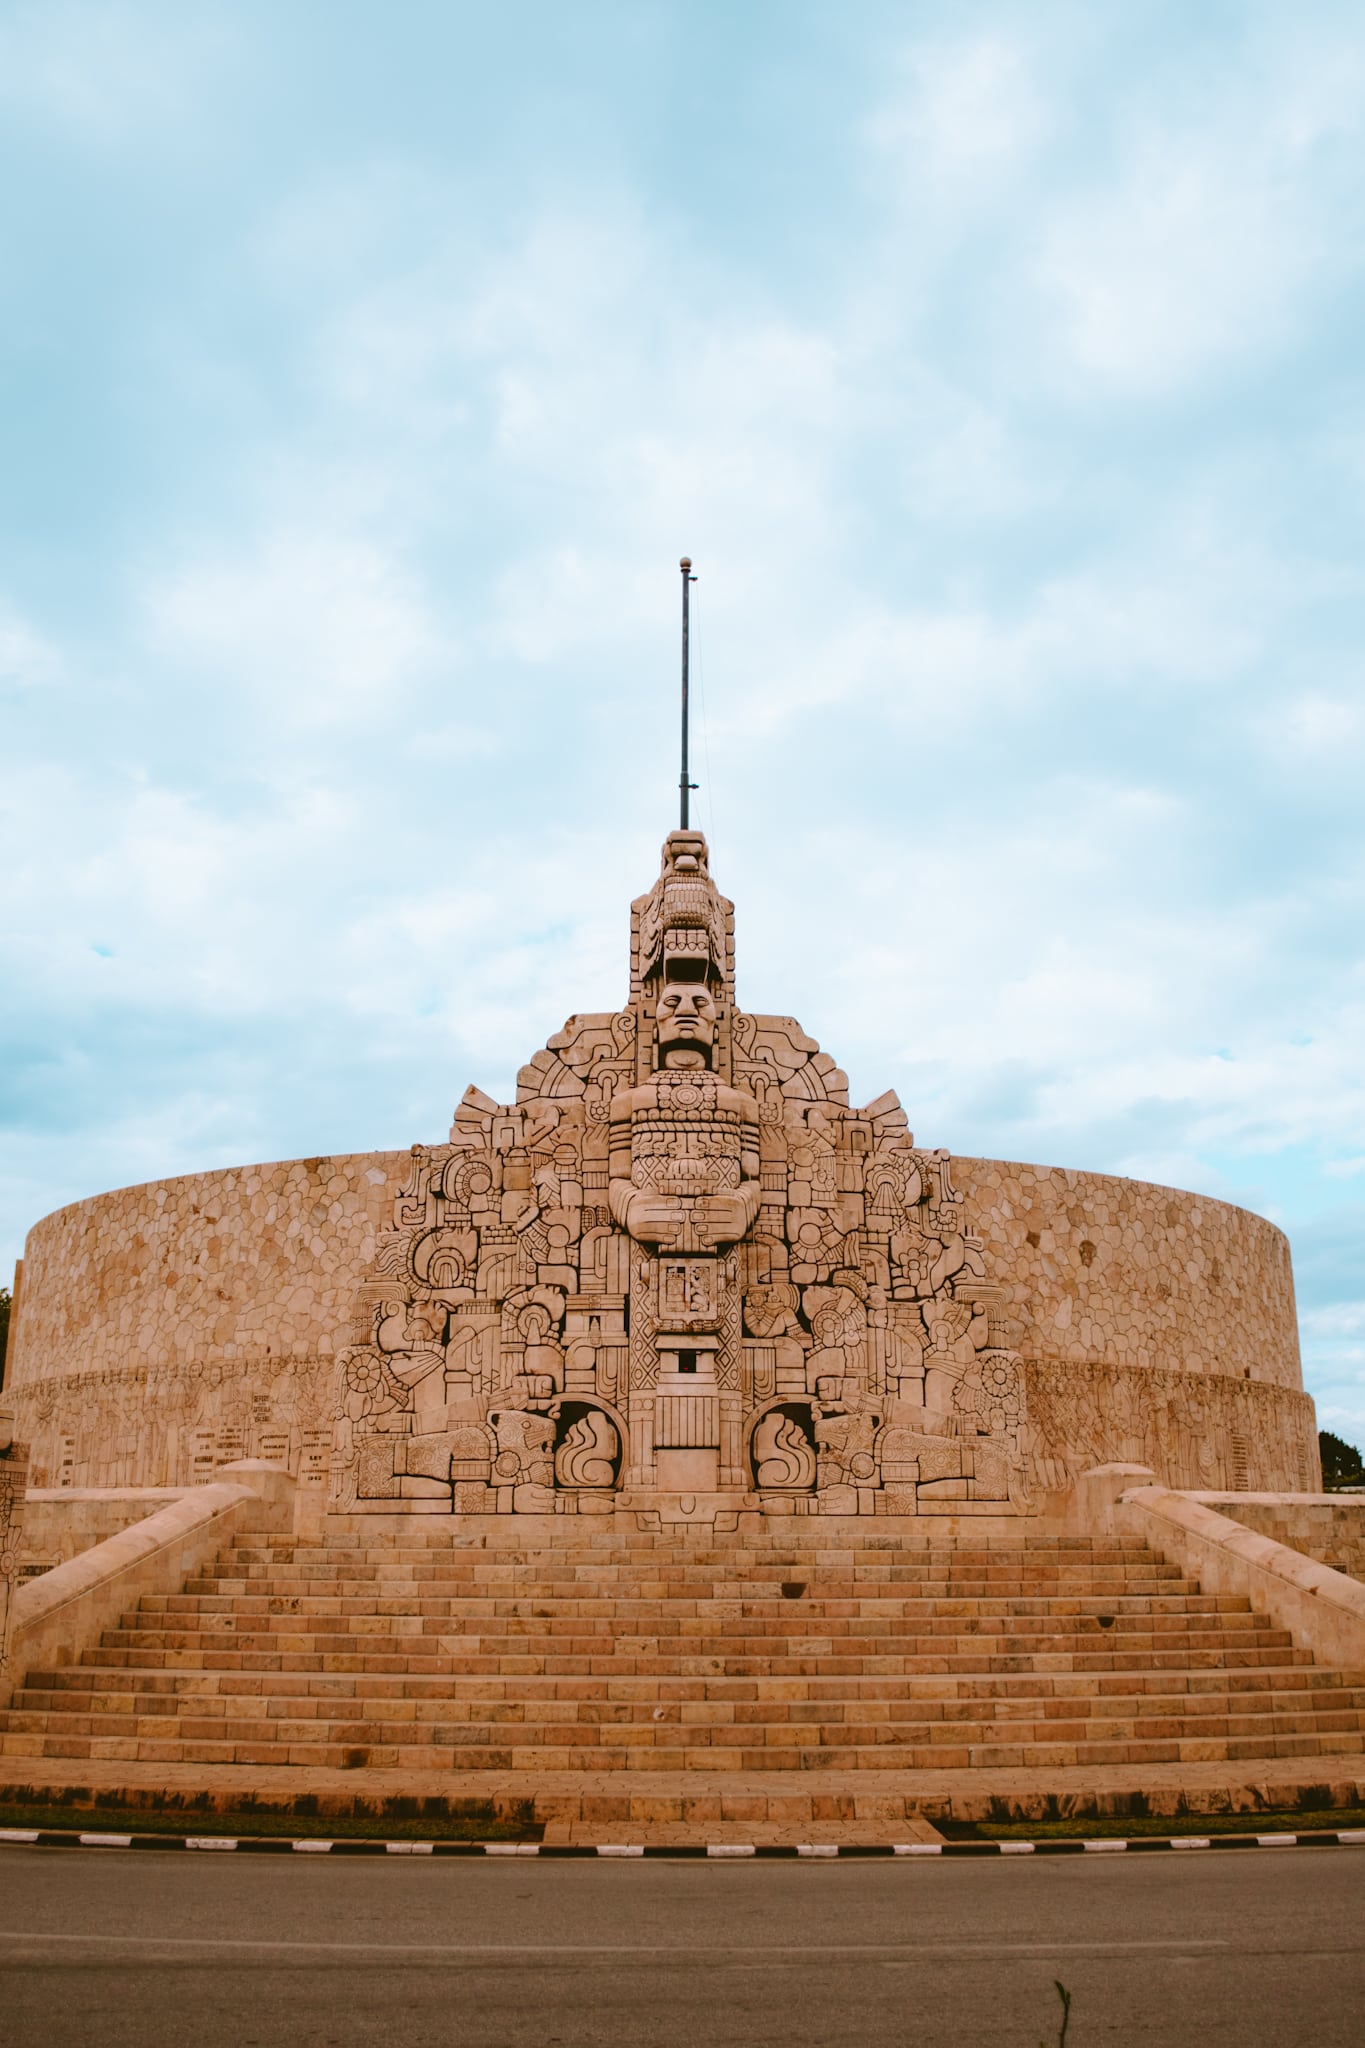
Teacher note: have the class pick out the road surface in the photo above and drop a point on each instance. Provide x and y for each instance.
(122, 1949)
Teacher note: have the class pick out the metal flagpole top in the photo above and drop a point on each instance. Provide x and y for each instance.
(684, 785)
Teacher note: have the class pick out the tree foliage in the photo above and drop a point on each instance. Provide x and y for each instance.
(1341, 1462)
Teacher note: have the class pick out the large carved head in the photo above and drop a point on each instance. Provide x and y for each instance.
(685, 1018)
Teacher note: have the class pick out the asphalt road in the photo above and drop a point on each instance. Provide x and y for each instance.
(99, 1949)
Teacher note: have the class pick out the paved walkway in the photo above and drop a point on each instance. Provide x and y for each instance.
(766, 1806)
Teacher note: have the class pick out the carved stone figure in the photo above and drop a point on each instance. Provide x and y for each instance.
(682, 1218)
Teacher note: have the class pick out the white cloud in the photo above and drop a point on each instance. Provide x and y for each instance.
(1222, 226)
(28, 658)
(106, 73)
(316, 627)
(1033, 735)
(961, 119)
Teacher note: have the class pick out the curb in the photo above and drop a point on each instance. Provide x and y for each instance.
(61, 1838)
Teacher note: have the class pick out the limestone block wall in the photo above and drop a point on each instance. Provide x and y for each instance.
(1327, 1526)
(1157, 1327)
(1139, 1276)
(165, 1330)
(62, 1521)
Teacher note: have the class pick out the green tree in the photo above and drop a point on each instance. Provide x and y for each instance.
(1341, 1462)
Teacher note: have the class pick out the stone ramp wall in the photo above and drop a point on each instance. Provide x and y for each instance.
(1329, 1527)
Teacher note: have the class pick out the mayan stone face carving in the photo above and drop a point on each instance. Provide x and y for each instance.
(680, 1264)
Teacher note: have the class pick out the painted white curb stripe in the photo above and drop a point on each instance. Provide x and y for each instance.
(31, 1837)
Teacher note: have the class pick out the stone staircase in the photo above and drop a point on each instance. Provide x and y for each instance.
(804, 1649)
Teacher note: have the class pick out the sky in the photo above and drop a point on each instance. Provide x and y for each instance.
(364, 372)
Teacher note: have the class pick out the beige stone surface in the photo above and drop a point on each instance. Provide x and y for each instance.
(1143, 1277)
(62, 1521)
(820, 1645)
(164, 1330)
(1327, 1526)
(13, 1491)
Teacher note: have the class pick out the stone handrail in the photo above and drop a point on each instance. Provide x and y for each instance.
(56, 1616)
(1323, 1609)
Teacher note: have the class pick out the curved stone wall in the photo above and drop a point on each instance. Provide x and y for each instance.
(1134, 1275)
(165, 1329)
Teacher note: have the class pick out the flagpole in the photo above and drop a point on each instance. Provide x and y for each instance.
(684, 785)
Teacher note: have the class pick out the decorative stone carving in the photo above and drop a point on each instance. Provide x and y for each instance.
(589, 1451)
(13, 1487)
(782, 1453)
(682, 1216)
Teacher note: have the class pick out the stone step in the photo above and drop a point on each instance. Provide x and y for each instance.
(1013, 1753)
(82, 1684)
(720, 1617)
(616, 1653)
(798, 1598)
(627, 1661)
(426, 1637)
(696, 1586)
(620, 1556)
(114, 1714)
(1038, 1636)
(711, 1584)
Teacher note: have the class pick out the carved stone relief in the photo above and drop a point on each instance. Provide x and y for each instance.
(679, 1263)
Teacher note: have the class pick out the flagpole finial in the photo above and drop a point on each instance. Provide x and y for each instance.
(685, 786)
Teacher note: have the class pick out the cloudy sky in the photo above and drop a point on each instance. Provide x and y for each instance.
(367, 368)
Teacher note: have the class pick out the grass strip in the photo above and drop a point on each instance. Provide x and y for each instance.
(326, 1827)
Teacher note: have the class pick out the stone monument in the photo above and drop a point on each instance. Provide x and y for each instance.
(680, 1265)
(678, 1272)
(682, 1268)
